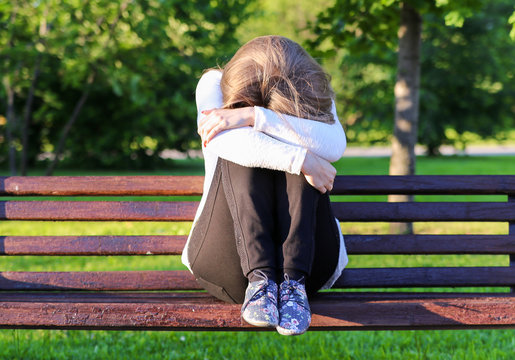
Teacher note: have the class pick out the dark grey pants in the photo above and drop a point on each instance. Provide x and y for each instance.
(257, 218)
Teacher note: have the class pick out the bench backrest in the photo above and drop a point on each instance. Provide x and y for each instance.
(165, 208)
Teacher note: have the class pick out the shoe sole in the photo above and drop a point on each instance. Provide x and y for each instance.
(260, 324)
(287, 332)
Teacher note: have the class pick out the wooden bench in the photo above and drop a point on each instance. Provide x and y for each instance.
(172, 300)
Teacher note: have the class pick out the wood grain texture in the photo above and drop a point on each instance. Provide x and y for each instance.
(192, 185)
(98, 280)
(98, 210)
(98, 300)
(189, 311)
(424, 211)
(184, 280)
(424, 184)
(92, 245)
(430, 244)
(174, 244)
(427, 277)
(101, 185)
(185, 211)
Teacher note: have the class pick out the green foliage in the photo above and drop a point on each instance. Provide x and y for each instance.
(467, 68)
(137, 62)
(289, 18)
(372, 26)
(512, 22)
(468, 81)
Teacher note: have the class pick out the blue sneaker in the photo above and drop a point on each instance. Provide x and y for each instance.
(260, 305)
(294, 311)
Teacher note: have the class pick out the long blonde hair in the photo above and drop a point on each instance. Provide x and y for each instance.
(277, 73)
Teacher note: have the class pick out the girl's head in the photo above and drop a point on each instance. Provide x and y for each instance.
(277, 73)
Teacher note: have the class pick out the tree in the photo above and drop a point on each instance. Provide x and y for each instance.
(15, 60)
(289, 18)
(468, 81)
(369, 26)
(115, 79)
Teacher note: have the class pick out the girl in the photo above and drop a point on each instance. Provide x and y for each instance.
(269, 130)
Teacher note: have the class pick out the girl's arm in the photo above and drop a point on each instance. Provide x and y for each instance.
(251, 148)
(244, 145)
(325, 140)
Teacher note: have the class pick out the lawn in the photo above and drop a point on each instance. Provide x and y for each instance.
(79, 344)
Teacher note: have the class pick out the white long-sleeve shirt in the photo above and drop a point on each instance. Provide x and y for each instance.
(276, 141)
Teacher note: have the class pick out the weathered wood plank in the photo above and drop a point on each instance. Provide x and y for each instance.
(192, 185)
(204, 297)
(98, 280)
(424, 184)
(92, 245)
(183, 280)
(98, 210)
(173, 244)
(427, 277)
(424, 211)
(430, 244)
(101, 185)
(185, 211)
(331, 311)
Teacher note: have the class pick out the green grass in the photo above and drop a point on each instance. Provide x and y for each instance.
(79, 344)
(90, 345)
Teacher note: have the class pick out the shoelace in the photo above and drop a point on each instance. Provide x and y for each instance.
(290, 290)
(264, 290)
(261, 275)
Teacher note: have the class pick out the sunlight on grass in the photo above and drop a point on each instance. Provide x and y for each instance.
(327, 345)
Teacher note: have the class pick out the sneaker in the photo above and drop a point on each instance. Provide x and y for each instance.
(294, 311)
(260, 305)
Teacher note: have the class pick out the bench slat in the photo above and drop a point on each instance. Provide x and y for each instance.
(424, 184)
(98, 280)
(429, 244)
(173, 244)
(93, 245)
(99, 210)
(427, 277)
(192, 185)
(185, 211)
(183, 280)
(331, 311)
(101, 185)
(424, 211)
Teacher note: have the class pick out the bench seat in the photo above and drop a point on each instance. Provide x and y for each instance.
(200, 311)
(363, 298)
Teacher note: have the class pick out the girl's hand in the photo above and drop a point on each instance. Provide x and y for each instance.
(217, 120)
(318, 172)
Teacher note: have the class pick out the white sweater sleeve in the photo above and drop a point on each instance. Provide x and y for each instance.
(325, 140)
(250, 148)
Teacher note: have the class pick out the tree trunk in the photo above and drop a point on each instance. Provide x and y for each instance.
(69, 124)
(85, 93)
(407, 87)
(27, 114)
(11, 124)
(11, 114)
